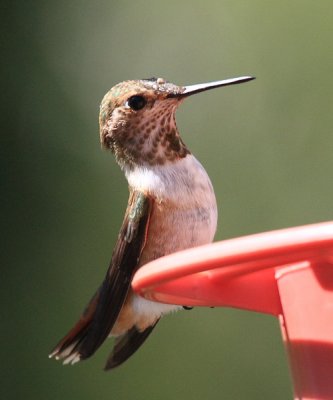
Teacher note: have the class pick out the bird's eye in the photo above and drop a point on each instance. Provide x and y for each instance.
(136, 102)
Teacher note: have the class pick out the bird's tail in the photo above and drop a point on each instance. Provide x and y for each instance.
(127, 344)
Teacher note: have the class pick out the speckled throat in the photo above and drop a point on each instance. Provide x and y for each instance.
(150, 138)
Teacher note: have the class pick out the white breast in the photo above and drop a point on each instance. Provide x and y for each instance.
(182, 181)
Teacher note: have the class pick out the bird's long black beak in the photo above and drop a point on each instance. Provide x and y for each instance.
(201, 87)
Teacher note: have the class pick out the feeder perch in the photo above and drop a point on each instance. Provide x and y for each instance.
(287, 273)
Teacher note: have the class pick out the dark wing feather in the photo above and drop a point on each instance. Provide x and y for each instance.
(127, 344)
(102, 312)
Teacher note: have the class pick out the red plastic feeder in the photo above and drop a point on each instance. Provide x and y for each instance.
(286, 273)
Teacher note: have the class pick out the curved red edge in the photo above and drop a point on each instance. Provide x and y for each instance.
(244, 267)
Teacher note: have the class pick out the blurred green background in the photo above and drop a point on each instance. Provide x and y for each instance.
(267, 146)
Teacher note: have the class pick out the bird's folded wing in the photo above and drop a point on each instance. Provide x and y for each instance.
(101, 313)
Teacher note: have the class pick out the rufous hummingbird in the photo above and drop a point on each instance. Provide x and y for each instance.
(171, 207)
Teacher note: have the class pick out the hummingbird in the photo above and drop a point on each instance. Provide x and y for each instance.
(171, 207)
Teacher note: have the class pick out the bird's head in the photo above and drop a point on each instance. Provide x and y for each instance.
(137, 120)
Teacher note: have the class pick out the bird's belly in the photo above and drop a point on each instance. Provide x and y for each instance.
(171, 231)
